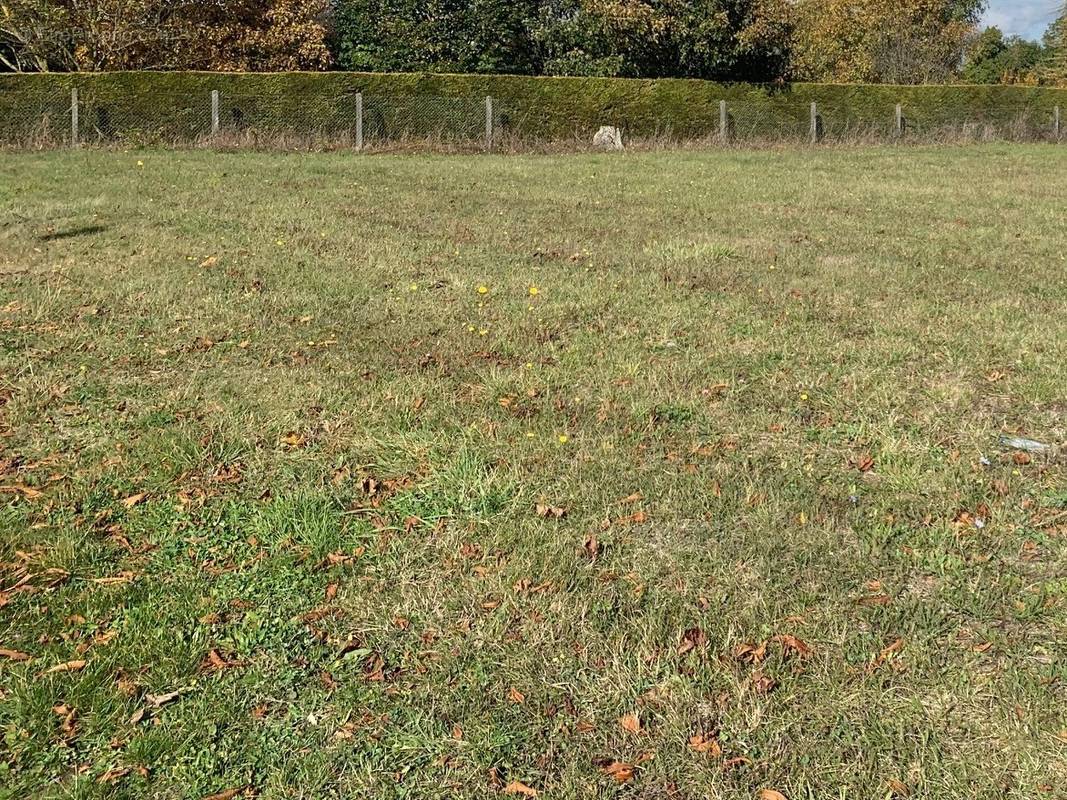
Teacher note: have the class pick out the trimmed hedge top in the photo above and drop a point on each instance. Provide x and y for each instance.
(534, 106)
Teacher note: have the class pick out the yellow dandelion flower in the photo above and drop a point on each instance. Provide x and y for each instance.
(414, 287)
(529, 434)
(534, 291)
(140, 163)
(803, 395)
(470, 328)
(483, 290)
(563, 438)
(483, 332)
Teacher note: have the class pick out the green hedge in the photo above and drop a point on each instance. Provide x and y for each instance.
(176, 105)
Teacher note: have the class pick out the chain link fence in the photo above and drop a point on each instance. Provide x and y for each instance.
(54, 117)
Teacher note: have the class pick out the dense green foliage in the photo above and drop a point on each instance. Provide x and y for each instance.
(531, 106)
(996, 58)
(840, 41)
(711, 39)
(1055, 65)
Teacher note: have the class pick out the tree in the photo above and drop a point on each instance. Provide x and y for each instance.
(261, 35)
(718, 39)
(96, 35)
(436, 35)
(994, 58)
(1054, 68)
(871, 41)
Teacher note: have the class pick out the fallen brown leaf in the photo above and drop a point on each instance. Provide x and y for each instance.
(517, 787)
(791, 645)
(888, 652)
(770, 794)
(550, 512)
(619, 770)
(898, 788)
(692, 639)
(374, 668)
(22, 489)
(69, 666)
(14, 655)
(134, 499)
(750, 653)
(293, 440)
(706, 745)
(630, 723)
(113, 775)
(227, 794)
(214, 661)
(515, 696)
(761, 684)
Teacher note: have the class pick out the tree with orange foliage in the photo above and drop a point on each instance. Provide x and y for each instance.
(98, 35)
(872, 41)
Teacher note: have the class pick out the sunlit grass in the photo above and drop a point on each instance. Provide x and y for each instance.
(275, 430)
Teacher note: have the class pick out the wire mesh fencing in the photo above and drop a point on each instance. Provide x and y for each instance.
(175, 117)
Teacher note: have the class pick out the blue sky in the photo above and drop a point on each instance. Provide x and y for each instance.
(1027, 18)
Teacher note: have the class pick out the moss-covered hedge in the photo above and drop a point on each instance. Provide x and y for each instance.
(177, 105)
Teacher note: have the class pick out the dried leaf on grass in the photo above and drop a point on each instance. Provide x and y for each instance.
(707, 745)
(619, 770)
(226, 794)
(22, 490)
(550, 512)
(517, 787)
(113, 775)
(134, 499)
(69, 666)
(691, 640)
(630, 723)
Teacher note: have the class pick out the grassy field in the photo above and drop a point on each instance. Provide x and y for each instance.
(668, 475)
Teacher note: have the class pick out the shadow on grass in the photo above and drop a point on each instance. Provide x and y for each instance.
(85, 230)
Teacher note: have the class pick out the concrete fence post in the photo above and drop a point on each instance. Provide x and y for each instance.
(815, 123)
(214, 111)
(1057, 129)
(359, 120)
(724, 132)
(489, 123)
(900, 121)
(74, 116)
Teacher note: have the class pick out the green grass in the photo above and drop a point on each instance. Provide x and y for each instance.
(720, 345)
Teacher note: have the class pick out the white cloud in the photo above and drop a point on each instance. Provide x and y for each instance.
(1027, 18)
